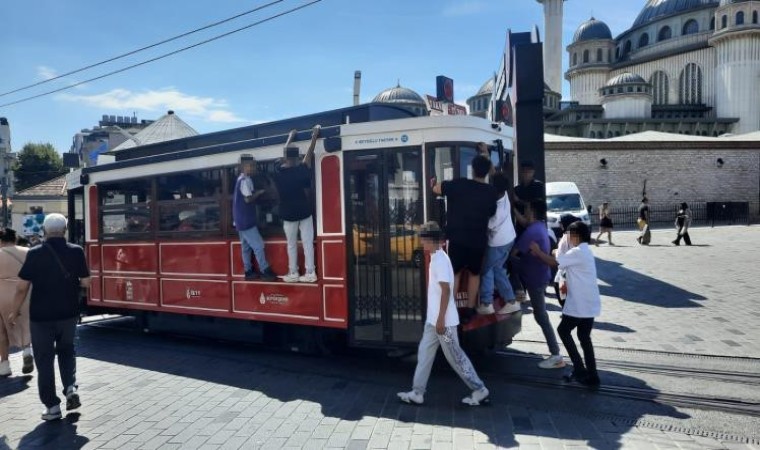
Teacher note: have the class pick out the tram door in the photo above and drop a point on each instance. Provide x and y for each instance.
(384, 208)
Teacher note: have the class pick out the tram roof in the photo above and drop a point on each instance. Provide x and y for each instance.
(370, 112)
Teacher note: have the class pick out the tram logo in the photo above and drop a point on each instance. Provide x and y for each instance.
(273, 299)
(192, 293)
(129, 293)
(404, 138)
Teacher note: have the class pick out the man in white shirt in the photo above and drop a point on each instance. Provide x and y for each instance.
(441, 326)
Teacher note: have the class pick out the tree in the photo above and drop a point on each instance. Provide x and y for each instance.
(37, 163)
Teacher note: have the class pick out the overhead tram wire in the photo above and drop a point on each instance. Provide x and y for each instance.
(165, 55)
(141, 49)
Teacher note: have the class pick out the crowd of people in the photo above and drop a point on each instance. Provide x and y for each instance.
(483, 241)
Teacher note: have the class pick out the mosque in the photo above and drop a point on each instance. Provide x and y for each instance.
(684, 66)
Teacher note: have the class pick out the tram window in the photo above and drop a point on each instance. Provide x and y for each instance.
(126, 192)
(126, 208)
(190, 201)
(466, 154)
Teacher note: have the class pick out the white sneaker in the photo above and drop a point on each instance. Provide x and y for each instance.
(72, 398)
(5, 368)
(52, 413)
(485, 309)
(552, 362)
(291, 278)
(411, 397)
(477, 397)
(510, 308)
(308, 278)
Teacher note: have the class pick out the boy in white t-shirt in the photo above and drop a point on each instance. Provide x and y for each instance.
(441, 326)
(583, 301)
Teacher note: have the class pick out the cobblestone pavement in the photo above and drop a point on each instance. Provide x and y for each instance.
(701, 299)
(152, 391)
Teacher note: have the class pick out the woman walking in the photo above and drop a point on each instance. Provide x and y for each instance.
(683, 220)
(11, 259)
(605, 223)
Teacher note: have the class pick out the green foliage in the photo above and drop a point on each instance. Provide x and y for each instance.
(37, 163)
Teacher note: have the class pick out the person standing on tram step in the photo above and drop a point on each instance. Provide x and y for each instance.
(536, 275)
(293, 180)
(469, 206)
(527, 190)
(683, 220)
(605, 223)
(441, 326)
(501, 238)
(583, 302)
(245, 217)
(12, 258)
(55, 271)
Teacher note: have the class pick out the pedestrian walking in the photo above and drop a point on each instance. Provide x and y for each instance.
(559, 276)
(643, 222)
(55, 271)
(683, 220)
(441, 326)
(293, 181)
(583, 302)
(605, 223)
(12, 257)
(536, 275)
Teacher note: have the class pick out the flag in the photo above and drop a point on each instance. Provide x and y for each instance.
(94, 153)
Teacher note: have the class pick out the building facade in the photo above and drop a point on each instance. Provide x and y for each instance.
(7, 161)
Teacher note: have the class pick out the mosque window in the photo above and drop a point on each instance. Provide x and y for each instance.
(754, 17)
(660, 87)
(690, 27)
(592, 135)
(575, 59)
(723, 21)
(626, 48)
(712, 23)
(690, 85)
(644, 40)
(585, 56)
(599, 55)
(740, 18)
(617, 53)
(664, 34)
(609, 134)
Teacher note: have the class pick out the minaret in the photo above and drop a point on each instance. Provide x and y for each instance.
(553, 43)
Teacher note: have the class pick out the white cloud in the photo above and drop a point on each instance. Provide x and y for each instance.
(209, 109)
(465, 8)
(46, 73)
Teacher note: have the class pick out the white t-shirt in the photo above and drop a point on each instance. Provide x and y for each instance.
(501, 231)
(583, 300)
(441, 271)
(246, 187)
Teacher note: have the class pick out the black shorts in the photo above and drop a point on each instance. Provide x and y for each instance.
(463, 257)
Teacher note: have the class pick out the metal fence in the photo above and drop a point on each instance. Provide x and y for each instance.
(662, 215)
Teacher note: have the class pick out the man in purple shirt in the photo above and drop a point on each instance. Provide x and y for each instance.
(536, 275)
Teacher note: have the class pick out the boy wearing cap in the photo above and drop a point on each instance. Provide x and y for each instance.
(293, 182)
(245, 217)
(55, 270)
(441, 326)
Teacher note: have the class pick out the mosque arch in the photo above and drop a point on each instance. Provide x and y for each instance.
(664, 34)
(690, 85)
(690, 27)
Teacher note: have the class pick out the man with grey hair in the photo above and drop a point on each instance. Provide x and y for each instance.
(55, 270)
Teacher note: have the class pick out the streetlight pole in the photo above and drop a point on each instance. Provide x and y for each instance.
(4, 194)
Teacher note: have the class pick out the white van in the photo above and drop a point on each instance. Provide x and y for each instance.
(564, 198)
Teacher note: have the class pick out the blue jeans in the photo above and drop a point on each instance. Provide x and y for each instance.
(494, 272)
(251, 241)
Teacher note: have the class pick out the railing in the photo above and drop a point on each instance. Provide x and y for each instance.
(662, 215)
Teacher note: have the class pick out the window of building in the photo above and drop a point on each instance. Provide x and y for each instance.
(644, 40)
(690, 85)
(585, 57)
(664, 34)
(126, 208)
(592, 135)
(754, 17)
(599, 55)
(660, 88)
(690, 27)
(723, 21)
(712, 23)
(190, 201)
(617, 53)
(575, 59)
(740, 18)
(626, 48)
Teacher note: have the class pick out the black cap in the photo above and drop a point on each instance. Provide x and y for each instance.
(527, 164)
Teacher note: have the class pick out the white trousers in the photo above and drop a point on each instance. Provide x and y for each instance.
(306, 226)
(458, 360)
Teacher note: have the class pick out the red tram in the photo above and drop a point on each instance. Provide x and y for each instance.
(155, 221)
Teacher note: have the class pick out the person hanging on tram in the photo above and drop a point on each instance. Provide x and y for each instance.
(293, 180)
(245, 217)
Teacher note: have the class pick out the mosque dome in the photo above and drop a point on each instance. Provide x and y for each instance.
(487, 88)
(625, 78)
(398, 94)
(592, 29)
(656, 9)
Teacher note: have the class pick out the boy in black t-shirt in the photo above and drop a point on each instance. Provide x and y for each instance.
(469, 205)
(293, 184)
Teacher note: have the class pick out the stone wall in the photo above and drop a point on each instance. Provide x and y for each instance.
(673, 171)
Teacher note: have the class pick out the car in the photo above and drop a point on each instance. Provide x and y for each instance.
(405, 245)
(564, 198)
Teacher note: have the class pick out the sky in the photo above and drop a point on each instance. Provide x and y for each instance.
(297, 64)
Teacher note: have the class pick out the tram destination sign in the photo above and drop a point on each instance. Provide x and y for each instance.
(441, 108)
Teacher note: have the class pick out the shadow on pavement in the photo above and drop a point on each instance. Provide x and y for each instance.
(364, 384)
(633, 286)
(13, 385)
(57, 434)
